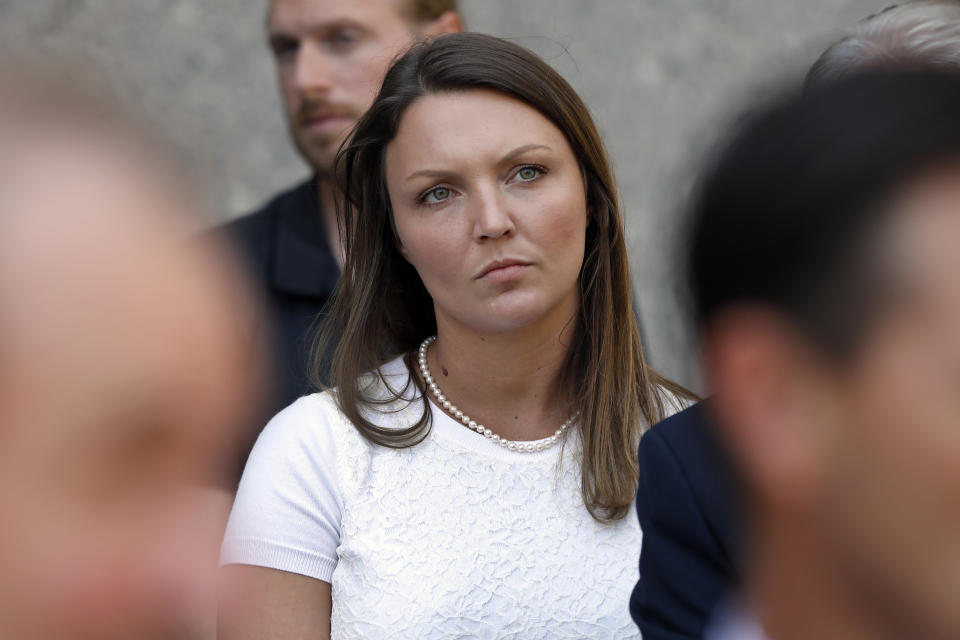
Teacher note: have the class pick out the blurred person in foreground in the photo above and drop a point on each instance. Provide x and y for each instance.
(688, 501)
(124, 363)
(330, 58)
(825, 278)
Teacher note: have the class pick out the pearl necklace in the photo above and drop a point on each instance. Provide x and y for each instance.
(512, 445)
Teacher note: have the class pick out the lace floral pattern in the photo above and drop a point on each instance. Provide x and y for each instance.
(451, 540)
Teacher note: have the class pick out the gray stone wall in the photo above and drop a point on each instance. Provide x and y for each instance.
(660, 76)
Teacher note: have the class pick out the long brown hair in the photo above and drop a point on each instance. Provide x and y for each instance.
(382, 310)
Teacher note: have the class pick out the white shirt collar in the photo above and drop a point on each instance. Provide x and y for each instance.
(732, 621)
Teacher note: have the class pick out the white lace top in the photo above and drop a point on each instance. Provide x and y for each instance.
(455, 537)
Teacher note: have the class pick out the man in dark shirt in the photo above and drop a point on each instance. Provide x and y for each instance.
(330, 57)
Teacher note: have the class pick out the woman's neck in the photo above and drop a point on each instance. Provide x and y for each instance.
(507, 381)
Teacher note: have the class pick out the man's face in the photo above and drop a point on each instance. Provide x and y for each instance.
(331, 56)
(891, 496)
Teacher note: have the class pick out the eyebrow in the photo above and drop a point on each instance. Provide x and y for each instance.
(319, 28)
(438, 173)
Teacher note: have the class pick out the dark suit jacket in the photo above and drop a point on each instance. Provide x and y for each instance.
(690, 517)
(292, 267)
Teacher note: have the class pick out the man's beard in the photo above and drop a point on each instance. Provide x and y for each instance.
(319, 148)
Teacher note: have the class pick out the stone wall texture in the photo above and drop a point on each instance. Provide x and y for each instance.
(661, 77)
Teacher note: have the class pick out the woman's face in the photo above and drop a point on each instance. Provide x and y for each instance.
(490, 208)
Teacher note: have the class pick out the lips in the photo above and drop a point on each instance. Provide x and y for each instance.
(318, 114)
(322, 119)
(506, 267)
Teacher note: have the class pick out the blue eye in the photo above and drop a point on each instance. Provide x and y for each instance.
(342, 40)
(435, 195)
(529, 173)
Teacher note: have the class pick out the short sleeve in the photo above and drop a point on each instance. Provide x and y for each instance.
(288, 507)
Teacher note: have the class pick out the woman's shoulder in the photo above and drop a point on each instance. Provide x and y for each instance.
(305, 429)
(314, 414)
(305, 415)
(317, 420)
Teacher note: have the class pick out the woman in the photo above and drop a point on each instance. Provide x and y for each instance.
(480, 209)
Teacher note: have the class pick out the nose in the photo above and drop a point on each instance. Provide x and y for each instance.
(492, 217)
(313, 72)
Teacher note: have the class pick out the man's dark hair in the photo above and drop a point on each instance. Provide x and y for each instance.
(788, 213)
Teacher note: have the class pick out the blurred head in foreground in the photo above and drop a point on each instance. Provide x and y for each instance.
(122, 368)
(826, 282)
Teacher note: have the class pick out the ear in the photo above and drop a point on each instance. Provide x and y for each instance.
(447, 22)
(770, 395)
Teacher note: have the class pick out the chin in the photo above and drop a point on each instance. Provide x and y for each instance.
(509, 311)
(512, 319)
(319, 156)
